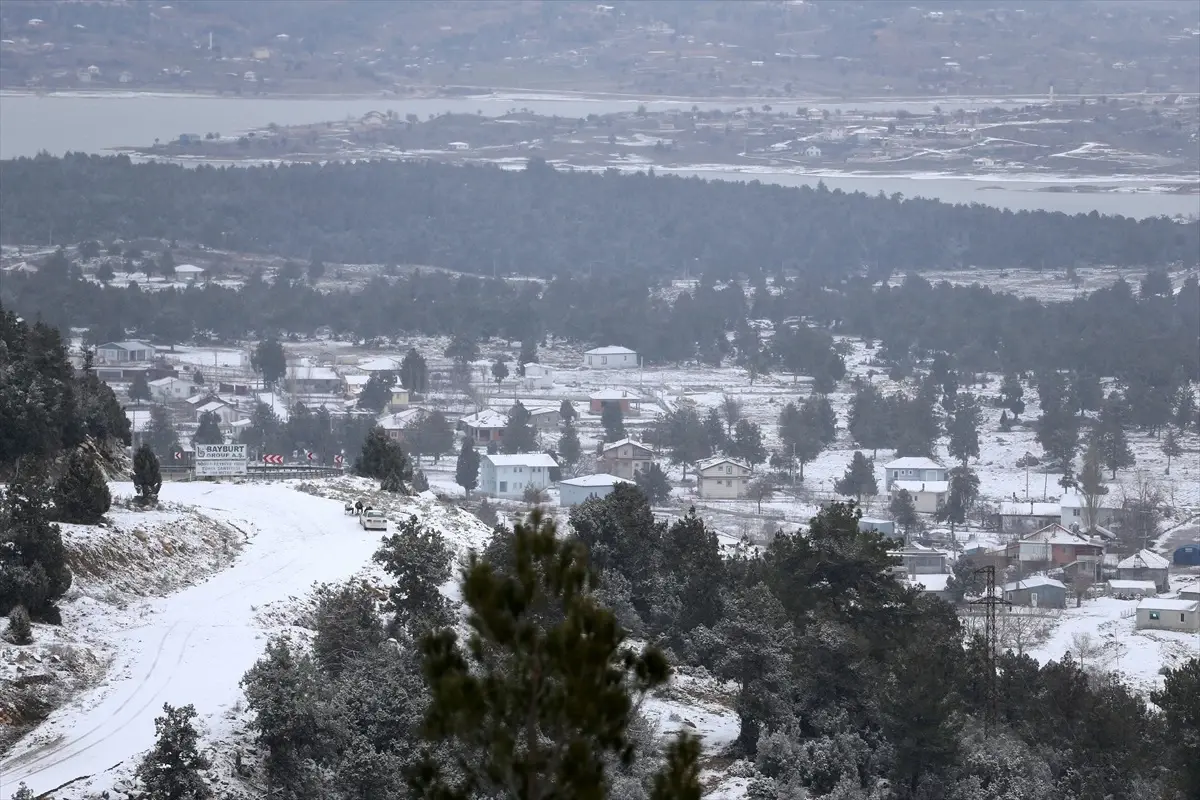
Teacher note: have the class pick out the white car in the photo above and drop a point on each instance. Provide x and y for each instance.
(373, 520)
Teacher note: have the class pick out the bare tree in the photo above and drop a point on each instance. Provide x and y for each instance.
(1018, 629)
(1143, 507)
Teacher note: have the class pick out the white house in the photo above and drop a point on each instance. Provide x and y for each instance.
(812, 151)
(722, 478)
(538, 376)
(576, 490)
(188, 272)
(120, 352)
(610, 358)
(510, 475)
(928, 496)
(170, 388)
(225, 412)
(912, 468)
(1072, 510)
(1169, 615)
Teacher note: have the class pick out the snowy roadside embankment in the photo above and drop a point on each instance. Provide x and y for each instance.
(135, 553)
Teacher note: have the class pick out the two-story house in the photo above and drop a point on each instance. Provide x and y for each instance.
(395, 425)
(1073, 511)
(598, 401)
(509, 476)
(1054, 545)
(722, 478)
(923, 478)
(625, 458)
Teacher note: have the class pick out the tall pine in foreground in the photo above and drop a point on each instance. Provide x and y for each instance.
(33, 563)
(537, 706)
(173, 769)
(466, 469)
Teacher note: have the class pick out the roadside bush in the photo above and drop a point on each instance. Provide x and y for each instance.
(20, 629)
(81, 493)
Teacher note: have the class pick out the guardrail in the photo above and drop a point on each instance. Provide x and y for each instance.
(259, 472)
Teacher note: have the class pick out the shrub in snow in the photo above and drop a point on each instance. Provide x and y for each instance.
(20, 630)
(147, 478)
(419, 482)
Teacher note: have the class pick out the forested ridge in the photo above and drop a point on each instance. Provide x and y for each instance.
(539, 221)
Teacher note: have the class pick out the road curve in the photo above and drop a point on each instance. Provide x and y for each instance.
(197, 643)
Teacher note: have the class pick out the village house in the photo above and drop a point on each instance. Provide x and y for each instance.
(1023, 517)
(165, 390)
(928, 496)
(314, 380)
(1037, 592)
(537, 376)
(610, 358)
(122, 352)
(1130, 589)
(1054, 545)
(189, 272)
(625, 458)
(913, 469)
(1072, 512)
(399, 398)
(1145, 565)
(598, 401)
(484, 426)
(226, 412)
(544, 418)
(931, 583)
(812, 151)
(722, 478)
(394, 425)
(920, 560)
(1155, 613)
(574, 491)
(353, 384)
(885, 527)
(508, 476)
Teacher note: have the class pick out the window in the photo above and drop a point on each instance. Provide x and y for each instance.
(729, 483)
(503, 486)
(1181, 617)
(1033, 599)
(729, 470)
(1074, 512)
(1153, 615)
(603, 359)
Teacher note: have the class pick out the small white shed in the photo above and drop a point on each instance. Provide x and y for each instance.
(574, 491)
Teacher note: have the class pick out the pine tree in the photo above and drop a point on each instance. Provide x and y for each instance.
(160, 434)
(347, 626)
(1171, 448)
(1110, 435)
(759, 489)
(800, 432)
(139, 389)
(174, 768)
(269, 360)
(384, 459)
(731, 409)
(535, 708)
(964, 490)
(519, 434)
(414, 373)
(376, 394)
(747, 443)
(1011, 394)
(81, 493)
(23, 793)
(420, 483)
(147, 479)
(653, 483)
(1058, 434)
(904, 510)
(466, 470)
(1005, 422)
(859, 478)
(613, 420)
(569, 449)
(869, 423)
(209, 431)
(1185, 407)
(418, 558)
(528, 355)
(33, 565)
(499, 370)
(566, 411)
(964, 428)
(20, 629)
(714, 432)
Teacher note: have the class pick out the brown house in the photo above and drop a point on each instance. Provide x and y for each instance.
(624, 459)
(612, 397)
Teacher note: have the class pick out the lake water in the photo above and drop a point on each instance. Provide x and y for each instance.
(96, 123)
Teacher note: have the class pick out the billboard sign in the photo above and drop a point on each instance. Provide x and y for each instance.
(220, 460)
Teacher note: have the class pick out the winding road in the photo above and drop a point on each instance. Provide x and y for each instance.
(197, 643)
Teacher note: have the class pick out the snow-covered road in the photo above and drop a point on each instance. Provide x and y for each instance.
(195, 645)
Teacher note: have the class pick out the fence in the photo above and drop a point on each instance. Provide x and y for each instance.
(268, 472)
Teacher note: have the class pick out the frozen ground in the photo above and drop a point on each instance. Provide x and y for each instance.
(1102, 635)
(195, 645)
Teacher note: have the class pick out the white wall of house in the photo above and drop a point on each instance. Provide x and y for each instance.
(511, 481)
(609, 360)
(724, 481)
